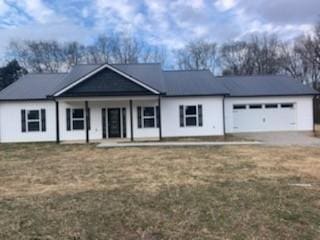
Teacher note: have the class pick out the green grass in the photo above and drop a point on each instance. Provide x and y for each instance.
(77, 192)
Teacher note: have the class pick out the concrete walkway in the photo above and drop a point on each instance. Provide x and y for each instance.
(172, 144)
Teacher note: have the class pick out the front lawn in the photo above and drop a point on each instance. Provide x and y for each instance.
(78, 192)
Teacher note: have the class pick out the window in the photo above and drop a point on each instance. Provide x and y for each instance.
(238, 107)
(33, 120)
(287, 105)
(191, 116)
(148, 117)
(271, 106)
(76, 119)
(255, 106)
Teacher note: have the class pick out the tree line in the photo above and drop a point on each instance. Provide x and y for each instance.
(259, 54)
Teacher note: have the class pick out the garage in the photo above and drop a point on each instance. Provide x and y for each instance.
(267, 104)
(257, 117)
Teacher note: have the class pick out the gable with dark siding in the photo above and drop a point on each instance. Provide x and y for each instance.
(106, 83)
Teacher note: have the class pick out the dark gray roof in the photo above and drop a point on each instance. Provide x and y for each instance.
(32, 86)
(173, 83)
(269, 85)
(196, 83)
(149, 74)
(77, 72)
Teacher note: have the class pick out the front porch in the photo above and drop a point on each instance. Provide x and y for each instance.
(97, 119)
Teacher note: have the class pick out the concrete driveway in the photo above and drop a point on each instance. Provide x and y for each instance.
(283, 138)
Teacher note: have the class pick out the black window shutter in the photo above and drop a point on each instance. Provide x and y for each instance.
(23, 121)
(68, 111)
(43, 120)
(124, 123)
(200, 117)
(104, 123)
(139, 117)
(181, 116)
(158, 116)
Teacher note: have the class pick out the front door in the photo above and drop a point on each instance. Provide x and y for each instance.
(114, 123)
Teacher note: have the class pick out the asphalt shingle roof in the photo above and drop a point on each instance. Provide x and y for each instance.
(268, 85)
(172, 83)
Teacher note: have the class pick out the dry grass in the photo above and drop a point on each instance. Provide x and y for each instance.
(50, 191)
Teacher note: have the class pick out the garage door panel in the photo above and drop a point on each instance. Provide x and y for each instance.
(268, 118)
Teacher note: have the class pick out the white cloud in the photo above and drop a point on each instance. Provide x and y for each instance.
(161, 22)
(60, 32)
(121, 16)
(225, 5)
(122, 8)
(35, 9)
(196, 4)
(3, 7)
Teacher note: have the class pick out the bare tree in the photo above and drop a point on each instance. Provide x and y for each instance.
(259, 55)
(236, 59)
(39, 56)
(74, 54)
(153, 54)
(292, 62)
(128, 50)
(197, 55)
(306, 48)
(265, 54)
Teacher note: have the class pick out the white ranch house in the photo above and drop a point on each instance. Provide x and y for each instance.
(141, 101)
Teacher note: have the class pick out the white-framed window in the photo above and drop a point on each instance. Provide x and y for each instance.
(191, 115)
(76, 119)
(33, 120)
(148, 116)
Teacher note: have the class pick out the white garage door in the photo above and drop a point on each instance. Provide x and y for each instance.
(264, 117)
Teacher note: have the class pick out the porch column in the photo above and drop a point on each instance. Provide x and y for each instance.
(57, 123)
(160, 127)
(131, 121)
(87, 121)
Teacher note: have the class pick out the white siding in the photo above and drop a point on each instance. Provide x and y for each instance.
(212, 116)
(10, 122)
(143, 132)
(95, 132)
(303, 111)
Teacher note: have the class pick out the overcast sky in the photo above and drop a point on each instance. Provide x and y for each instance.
(165, 22)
